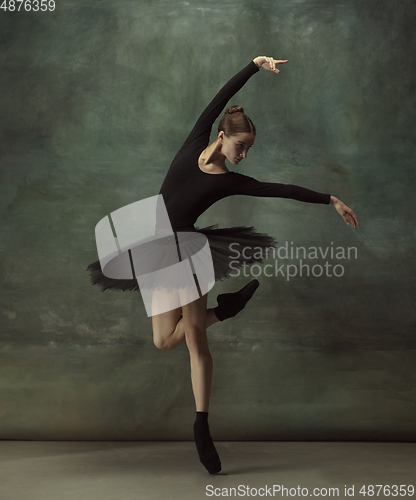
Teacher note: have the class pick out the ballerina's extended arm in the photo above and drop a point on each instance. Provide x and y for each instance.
(202, 129)
(246, 185)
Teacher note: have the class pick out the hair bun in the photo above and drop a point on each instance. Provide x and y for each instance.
(234, 109)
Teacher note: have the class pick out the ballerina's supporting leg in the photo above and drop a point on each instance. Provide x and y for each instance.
(194, 318)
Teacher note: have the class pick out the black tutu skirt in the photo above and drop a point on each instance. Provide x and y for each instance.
(231, 248)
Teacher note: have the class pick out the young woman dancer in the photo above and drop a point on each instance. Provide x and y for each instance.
(197, 178)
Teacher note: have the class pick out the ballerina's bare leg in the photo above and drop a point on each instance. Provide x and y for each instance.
(167, 334)
(169, 331)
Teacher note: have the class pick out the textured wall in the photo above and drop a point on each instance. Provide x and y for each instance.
(96, 99)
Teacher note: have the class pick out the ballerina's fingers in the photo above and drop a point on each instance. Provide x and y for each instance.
(277, 61)
(350, 217)
(355, 218)
(280, 61)
(277, 70)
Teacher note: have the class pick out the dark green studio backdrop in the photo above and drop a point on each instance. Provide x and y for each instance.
(96, 99)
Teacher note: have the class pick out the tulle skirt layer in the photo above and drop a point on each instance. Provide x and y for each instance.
(231, 248)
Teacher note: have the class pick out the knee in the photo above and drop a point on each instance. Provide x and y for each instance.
(161, 344)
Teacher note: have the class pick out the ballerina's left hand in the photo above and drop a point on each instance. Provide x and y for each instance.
(347, 214)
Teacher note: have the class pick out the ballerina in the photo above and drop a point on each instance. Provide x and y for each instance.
(197, 178)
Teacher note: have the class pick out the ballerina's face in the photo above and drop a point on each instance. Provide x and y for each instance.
(236, 147)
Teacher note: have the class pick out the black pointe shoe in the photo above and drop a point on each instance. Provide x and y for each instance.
(230, 304)
(208, 455)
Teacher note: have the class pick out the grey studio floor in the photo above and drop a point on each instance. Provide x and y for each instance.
(127, 470)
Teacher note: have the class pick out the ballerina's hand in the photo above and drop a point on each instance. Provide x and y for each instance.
(347, 214)
(269, 63)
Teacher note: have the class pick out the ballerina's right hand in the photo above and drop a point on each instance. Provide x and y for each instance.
(269, 63)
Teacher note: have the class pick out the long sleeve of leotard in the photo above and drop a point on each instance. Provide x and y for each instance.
(202, 128)
(243, 184)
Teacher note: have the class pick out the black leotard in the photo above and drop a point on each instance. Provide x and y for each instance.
(188, 191)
